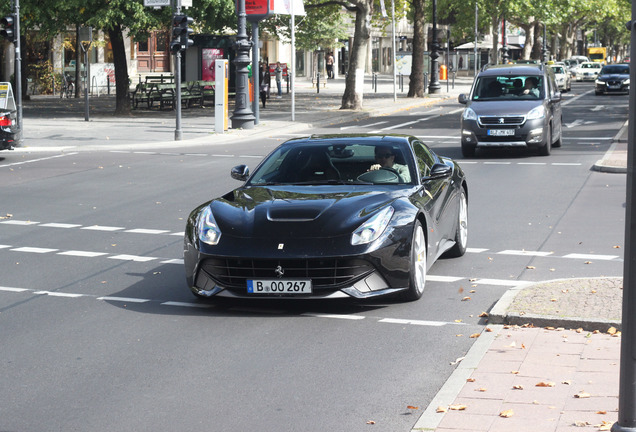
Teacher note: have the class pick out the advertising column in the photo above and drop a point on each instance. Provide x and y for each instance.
(221, 110)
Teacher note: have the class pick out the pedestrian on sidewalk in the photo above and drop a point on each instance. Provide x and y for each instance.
(279, 79)
(264, 79)
(330, 61)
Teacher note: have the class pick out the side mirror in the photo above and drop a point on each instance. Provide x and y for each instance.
(240, 172)
(556, 97)
(462, 99)
(439, 171)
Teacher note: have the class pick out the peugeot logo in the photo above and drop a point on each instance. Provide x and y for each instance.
(279, 272)
(501, 120)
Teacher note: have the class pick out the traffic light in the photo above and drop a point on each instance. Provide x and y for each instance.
(8, 31)
(181, 32)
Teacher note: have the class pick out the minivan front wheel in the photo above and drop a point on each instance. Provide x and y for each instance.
(545, 150)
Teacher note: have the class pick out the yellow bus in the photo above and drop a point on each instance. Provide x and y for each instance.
(597, 54)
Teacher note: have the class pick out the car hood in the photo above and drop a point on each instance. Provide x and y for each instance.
(504, 108)
(297, 211)
(613, 76)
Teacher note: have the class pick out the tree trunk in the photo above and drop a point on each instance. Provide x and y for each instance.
(352, 97)
(494, 53)
(527, 48)
(537, 44)
(78, 61)
(416, 80)
(122, 101)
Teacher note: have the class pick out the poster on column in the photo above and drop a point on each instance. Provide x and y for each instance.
(208, 56)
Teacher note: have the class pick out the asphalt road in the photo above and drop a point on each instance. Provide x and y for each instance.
(100, 333)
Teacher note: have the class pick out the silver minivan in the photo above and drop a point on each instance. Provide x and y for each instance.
(512, 105)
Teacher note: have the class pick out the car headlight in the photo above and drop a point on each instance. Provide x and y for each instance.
(373, 228)
(207, 229)
(536, 113)
(599, 82)
(469, 114)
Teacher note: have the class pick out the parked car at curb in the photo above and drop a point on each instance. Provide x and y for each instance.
(588, 71)
(512, 106)
(613, 78)
(330, 216)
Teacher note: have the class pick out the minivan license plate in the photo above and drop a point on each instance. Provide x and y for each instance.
(279, 286)
(501, 132)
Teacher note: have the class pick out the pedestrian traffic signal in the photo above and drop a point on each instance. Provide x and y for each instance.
(8, 30)
(181, 32)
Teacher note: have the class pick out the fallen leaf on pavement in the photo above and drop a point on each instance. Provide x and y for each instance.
(441, 409)
(483, 315)
(474, 335)
(482, 389)
(470, 380)
(612, 330)
(567, 382)
(579, 423)
(370, 422)
(605, 426)
(458, 407)
(545, 384)
(582, 395)
(601, 412)
(517, 387)
(506, 413)
(530, 267)
(412, 407)
(466, 299)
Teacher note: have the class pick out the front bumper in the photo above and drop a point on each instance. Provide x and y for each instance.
(529, 134)
(611, 87)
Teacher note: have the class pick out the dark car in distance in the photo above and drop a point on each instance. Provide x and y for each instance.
(613, 78)
(512, 105)
(330, 216)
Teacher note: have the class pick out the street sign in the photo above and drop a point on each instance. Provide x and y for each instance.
(156, 3)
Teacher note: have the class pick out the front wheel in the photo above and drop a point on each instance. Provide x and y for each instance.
(547, 147)
(461, 232)
(418, 267)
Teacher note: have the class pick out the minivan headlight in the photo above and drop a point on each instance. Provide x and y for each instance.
(469, 114)
(536, 113)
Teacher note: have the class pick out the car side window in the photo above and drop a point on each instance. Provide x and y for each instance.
(423, 157)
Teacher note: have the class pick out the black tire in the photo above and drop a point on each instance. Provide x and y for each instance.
(418, 266)
(461, 232)
(468, 150)
(547, 147)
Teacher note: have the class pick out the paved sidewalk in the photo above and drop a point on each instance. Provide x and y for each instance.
(547, 362)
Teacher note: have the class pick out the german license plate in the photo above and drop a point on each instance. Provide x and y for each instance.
(614, 87)
(279, 286)
(501, 132)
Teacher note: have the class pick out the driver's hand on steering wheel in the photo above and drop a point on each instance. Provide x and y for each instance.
(375, 167)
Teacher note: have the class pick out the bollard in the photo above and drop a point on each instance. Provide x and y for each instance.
(454, 73)
(375, 77)
(318, 82)
(425, 80)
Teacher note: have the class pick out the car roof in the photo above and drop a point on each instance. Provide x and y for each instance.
(513, 69)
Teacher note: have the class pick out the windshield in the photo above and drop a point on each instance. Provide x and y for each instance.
(558, 69)
(591, 65)
(509, 87)
(615, 69)
(336, 163)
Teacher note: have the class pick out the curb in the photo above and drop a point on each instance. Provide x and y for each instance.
(604, 165)
(499, 313)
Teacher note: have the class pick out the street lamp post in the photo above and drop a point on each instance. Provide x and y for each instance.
(434, 86)
(243, 117)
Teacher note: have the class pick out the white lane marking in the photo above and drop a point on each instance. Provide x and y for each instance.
(499, 282)
(588, 138)
(5, 246)
(60, 225)
(435, 278)
(415, 322)
(123, 299)
(103, 228)
(456, 111)
(58, 294)
(37, 160)
(34, 250)
(181, 233)
(575, 123)
(591, 256)
(497, 163)
(135, 258)
(598, 108)
(146, 231)
(173, 261)
(336, 316)
(363, 126)
(524, 253)
(18, 222)
(11, 289)
(565, 164)
(532, 163)
(86, 254)
(476, 250)
(404, 124)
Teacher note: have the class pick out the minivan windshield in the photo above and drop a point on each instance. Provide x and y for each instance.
(509, 87)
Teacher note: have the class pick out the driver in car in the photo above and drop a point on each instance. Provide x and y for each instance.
(385, 158)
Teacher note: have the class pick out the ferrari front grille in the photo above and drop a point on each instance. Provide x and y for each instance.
(324, 273)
